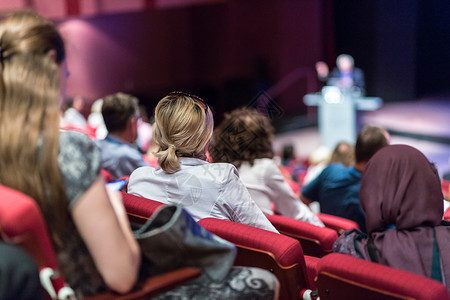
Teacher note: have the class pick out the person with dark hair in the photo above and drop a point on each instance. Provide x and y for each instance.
(72, 113)
(244, 139)
(337, 187)
(402, 197)
(118, 155)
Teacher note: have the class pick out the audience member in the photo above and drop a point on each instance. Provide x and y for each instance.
(182, 130)
(95, 120)
(344, 153)
(244, 138)
(337, 187)
(144, 127)
(402, 197)
(72, 114)
(290, 164)
(61, 171)
(118, 155)
(318, 160)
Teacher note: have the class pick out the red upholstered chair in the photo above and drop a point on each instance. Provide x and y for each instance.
(445, 184)
(108, 177)
(316, 241)
(345, 277)
(447, 215)
(22, 223)
(139, 209)
(337, 223)
(278, 253)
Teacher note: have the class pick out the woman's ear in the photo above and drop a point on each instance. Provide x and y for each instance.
(52, 54)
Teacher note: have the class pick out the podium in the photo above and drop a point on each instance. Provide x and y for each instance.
(337, 113)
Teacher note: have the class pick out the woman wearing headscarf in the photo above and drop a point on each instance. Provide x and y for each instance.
(402, 198)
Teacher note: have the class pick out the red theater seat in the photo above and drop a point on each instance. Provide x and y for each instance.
(139, 209)
(337, 223)
(278, 253)
(346, 277)
(22, 223)
(316, 241)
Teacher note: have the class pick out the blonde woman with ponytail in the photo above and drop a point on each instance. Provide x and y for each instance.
(182, 130)
(59, 170)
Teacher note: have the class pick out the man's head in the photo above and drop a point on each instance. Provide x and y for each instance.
(120, 115)
(370, 140)
(344, 153)
(345, 63)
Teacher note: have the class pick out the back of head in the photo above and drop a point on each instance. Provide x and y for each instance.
(344, 153)
(345, 62)
(31, 51)
(370, 139)
(320, 155)
(183, 127)
(243, 136)
(288, 152)
(117, 111)
(400, 187)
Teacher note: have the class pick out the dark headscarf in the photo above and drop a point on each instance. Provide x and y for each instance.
(402, 198)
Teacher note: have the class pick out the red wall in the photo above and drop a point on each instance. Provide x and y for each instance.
(155, 51)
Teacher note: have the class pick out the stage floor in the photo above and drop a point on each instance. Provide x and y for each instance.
(424, 124)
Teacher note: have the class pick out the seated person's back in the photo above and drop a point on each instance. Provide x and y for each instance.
(183, 128)
(337, 187)
(244, 139)
(337, 190)
(402, 198)
(118, 155)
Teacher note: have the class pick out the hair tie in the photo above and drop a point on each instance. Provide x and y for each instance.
(171, 146)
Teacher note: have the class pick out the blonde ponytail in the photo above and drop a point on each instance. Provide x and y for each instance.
(168, 160)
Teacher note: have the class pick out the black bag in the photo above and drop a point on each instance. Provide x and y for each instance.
(172, 239)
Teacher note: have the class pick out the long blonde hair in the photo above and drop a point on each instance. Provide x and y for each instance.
(183, 127)
(31, 51)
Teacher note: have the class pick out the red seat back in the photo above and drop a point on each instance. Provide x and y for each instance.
(22, 223)
(139, 209)
(346, 277)
(337, 223)
(267, 250)
(316, 241)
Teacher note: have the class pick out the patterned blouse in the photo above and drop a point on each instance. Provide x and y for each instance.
(79, 161)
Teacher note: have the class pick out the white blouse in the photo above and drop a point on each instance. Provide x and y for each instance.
(266, 184)
(203, 189)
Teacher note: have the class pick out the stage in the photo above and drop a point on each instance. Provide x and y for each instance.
(424, 124)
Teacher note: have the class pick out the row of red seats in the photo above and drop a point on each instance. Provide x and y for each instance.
(300, 258)
(334, 276)
(22, 223)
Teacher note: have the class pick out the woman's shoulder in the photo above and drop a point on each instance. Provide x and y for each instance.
(215, 172)
(79, 161)
(142, 172)
(221, 168)
(73, 140)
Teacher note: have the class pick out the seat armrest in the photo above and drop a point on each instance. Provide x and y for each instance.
(154, 285)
